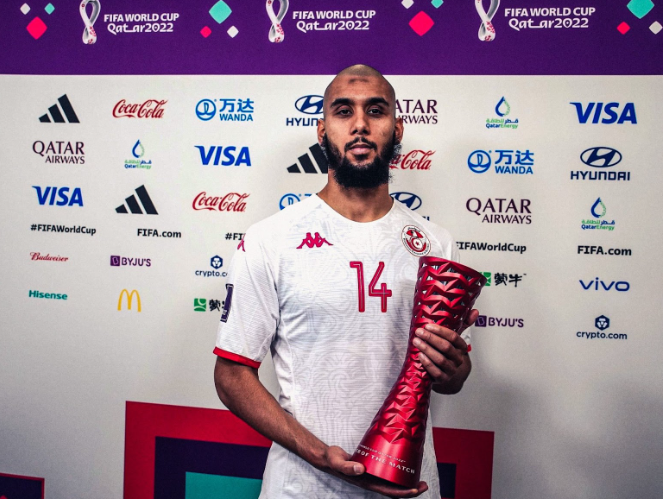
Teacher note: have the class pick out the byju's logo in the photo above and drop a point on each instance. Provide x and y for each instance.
(501, 210)
(417, 159)
(598, 211)
(212, 155)
(607, 114)
(290, 199)
(129, 299)
(216, 262)
(121, 261)
(55, 113)
(308, 104)
(486, 321)
(600, 158)
(597, 284)
(506, 161)
(60, 151)
(227, 109)
(151, 108)
(47, 195)
(133, 205)
(308, 162)
(410, 200)
(138, 151)
(502, 109)
(416, 112)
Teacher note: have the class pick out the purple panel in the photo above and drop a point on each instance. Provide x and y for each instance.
(442, 40)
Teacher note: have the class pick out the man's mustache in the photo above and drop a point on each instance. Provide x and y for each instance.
(360, 140)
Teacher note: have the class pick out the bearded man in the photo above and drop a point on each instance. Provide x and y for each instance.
(297, 287)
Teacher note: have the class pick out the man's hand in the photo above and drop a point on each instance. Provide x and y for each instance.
(444, 355)
(338, 463)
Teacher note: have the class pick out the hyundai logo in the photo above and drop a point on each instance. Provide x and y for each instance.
(205, 109)
(601, 157)
(288, 199)
(479, 161)
(410, 200)
(309, 104)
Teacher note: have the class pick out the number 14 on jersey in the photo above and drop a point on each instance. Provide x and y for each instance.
(382, 292)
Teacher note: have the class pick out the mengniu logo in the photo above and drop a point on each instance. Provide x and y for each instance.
(417, 111)
(502, 278)
(607, 114)
(133, 205)
(231, 202)
(502, 109)
(600, 158)
(487, 321)
(122, 261)
(225, 109)
(501, 210)
(151, 108)
(506, 161)
(231, 157)
(129, 297)
(48, 296)
(54, 114)
(60, 151)
(307, 104)
(290, 199)
(598, 211)
(201, 304)
(597, 284)
(410, 200)
(47, 195)
(308, 162)
(417, 159)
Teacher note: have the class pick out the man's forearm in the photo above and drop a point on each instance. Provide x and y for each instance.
(241, 391)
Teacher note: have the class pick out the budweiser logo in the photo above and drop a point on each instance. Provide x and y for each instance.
(151, 108)
(233, 201)
(35, 255)
(414, 160)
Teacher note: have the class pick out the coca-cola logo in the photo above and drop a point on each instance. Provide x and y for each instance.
(233, 201)
(416, 159)
(151, 108)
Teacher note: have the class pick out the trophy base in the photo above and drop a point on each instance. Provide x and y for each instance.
(394, 463)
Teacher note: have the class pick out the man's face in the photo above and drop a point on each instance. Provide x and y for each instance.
(359, 130)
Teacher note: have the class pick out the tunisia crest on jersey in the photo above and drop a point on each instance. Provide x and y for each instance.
(415, 241)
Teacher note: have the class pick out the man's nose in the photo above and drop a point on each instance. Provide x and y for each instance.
(360, 124)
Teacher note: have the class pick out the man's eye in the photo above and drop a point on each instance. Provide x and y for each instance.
(343, 111)
(375, 110)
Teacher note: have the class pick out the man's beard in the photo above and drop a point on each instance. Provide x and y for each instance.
(349, 175)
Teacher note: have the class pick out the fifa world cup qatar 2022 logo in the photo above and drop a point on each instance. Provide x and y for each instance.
(487, 30)
(276, 33)
(89, 34)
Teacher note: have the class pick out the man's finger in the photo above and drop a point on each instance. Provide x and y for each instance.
(451, 336)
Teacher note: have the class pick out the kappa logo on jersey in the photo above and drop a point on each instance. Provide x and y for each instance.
(415, 241)
(308, 166)
(240, 246)
(55, 113)
(314, 241)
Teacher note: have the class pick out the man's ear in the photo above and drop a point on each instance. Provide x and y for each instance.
(398, 130)
(321, 130)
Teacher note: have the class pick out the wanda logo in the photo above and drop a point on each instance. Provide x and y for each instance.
(416, 159)
(233, 201)
(151, 108)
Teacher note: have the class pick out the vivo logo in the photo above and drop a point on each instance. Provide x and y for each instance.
(598, 285)
(610, 112)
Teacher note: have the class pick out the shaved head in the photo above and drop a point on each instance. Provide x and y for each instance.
(359, 73)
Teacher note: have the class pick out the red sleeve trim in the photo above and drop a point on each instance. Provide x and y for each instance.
(236, 358)
(469, 348)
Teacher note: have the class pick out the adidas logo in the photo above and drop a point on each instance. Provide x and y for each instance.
(56, 114)
(133, 205)
(307, 162)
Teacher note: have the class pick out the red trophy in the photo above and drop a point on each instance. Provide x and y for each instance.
(393, 446)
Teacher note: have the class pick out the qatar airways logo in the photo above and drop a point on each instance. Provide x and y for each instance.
(417, 159)
(151, 108)
(233, 202)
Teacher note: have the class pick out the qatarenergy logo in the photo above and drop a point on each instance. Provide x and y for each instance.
(482, 246)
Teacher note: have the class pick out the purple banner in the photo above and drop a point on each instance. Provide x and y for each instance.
(427, 37)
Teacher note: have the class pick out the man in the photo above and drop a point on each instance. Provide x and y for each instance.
(297, 286)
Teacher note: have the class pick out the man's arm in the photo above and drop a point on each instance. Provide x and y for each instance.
(241, 391)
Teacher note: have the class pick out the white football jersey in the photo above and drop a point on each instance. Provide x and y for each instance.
(332, 299)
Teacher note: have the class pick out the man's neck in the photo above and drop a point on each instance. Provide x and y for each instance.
(358, 205)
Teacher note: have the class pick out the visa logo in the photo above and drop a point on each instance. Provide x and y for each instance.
(47, 196)
(229, 154)
(609, 111)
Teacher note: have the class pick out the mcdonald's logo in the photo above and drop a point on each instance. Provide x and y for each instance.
(130, 297)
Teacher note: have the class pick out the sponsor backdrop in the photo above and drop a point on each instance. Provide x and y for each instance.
(141, 139)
